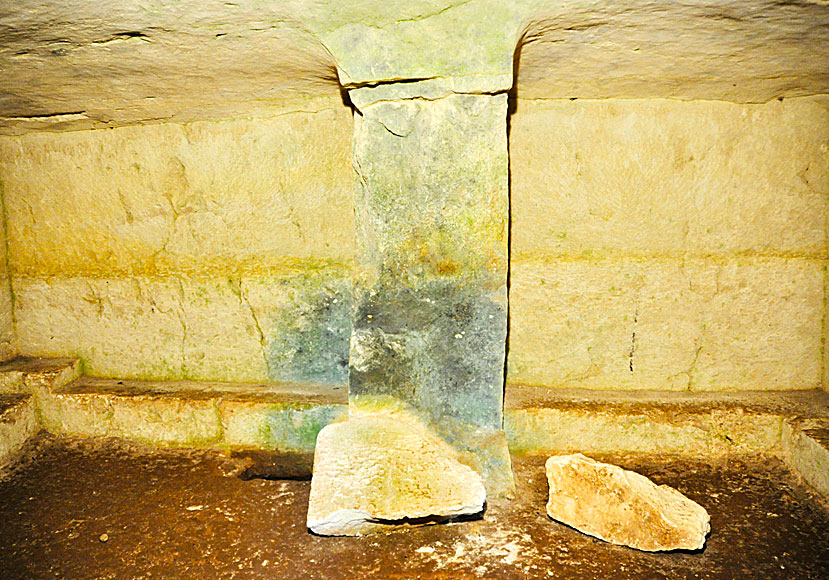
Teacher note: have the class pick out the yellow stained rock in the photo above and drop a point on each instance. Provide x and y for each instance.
(623, 507)
(373, 472)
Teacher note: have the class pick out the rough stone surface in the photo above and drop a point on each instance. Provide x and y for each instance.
(175, 421)
(282, 417)
(659, 177)
(728, 50)
(18, 423)
(143, 61)
(262, 424)
(623, 507)
(666, 267)
(807, 451)
(28, 375)
(212, 251)
(690, 432)
(430, 288)
(207, 198)
(429, 323)
(6, 303)
(86, 63)
(667, 323)
(373, 471)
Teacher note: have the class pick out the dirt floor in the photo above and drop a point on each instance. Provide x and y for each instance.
(78, 510)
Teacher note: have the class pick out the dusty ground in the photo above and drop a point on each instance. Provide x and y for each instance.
(77, 510)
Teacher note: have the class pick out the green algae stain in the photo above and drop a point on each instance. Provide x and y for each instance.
(311, 340)
(296, 427)
(437, 346)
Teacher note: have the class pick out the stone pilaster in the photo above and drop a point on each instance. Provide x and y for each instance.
(430, 314)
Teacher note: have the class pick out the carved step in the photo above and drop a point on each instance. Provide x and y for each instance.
(18, 423)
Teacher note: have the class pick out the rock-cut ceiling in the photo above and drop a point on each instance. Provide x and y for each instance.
(72, 64)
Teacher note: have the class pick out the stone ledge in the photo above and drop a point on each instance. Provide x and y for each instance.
(539, 420)
(18, 423)
(24, 374)
(807, 451)
(287, 417)
(283, 417)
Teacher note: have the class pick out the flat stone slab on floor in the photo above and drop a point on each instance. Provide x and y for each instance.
(189, 515)
(623, 507)
(373, 472)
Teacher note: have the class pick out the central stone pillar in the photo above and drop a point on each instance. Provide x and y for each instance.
(430, 323)
(430, 288)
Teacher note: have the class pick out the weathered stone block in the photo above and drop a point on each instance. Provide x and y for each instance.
(304, 323)
(806, 444)
(202, 198)
(431, 280)
(281, 328)
(373, 472)
(623, 507)
(176, 220)
(26, 375)
(150, 418)
(655, 177)
(696, 324)
(18, 423)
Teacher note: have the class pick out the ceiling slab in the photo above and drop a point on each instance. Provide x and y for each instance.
(74, 64)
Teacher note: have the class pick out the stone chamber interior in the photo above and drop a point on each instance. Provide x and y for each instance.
(530, 228)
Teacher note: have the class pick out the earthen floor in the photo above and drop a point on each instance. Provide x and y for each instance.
(76, 509)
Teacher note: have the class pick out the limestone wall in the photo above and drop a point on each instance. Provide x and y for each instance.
(654, 244)
(212, 250)
(6, 302)
(660, 244)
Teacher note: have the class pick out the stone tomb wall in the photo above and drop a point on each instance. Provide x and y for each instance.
(659, 244)
(211, 250)
(655, 244)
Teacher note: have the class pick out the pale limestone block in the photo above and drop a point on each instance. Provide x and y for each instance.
(27, 375)
(608, 324)
(159, 420)
(120, 63)
(266, 425)
(374, 471)
(654, 176)
(221, 340)
(696, 434)
(733, 50)
(204, 197)
(166, 420)
(696, 324)
(623, 507)
(267, 190)
(826, 320)
(290, 328)
(77, 415)
(18, 423)
(165, 328)
(118, 327)
(89, 201)
(7, 347)
(807, 451)
(761, 324)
